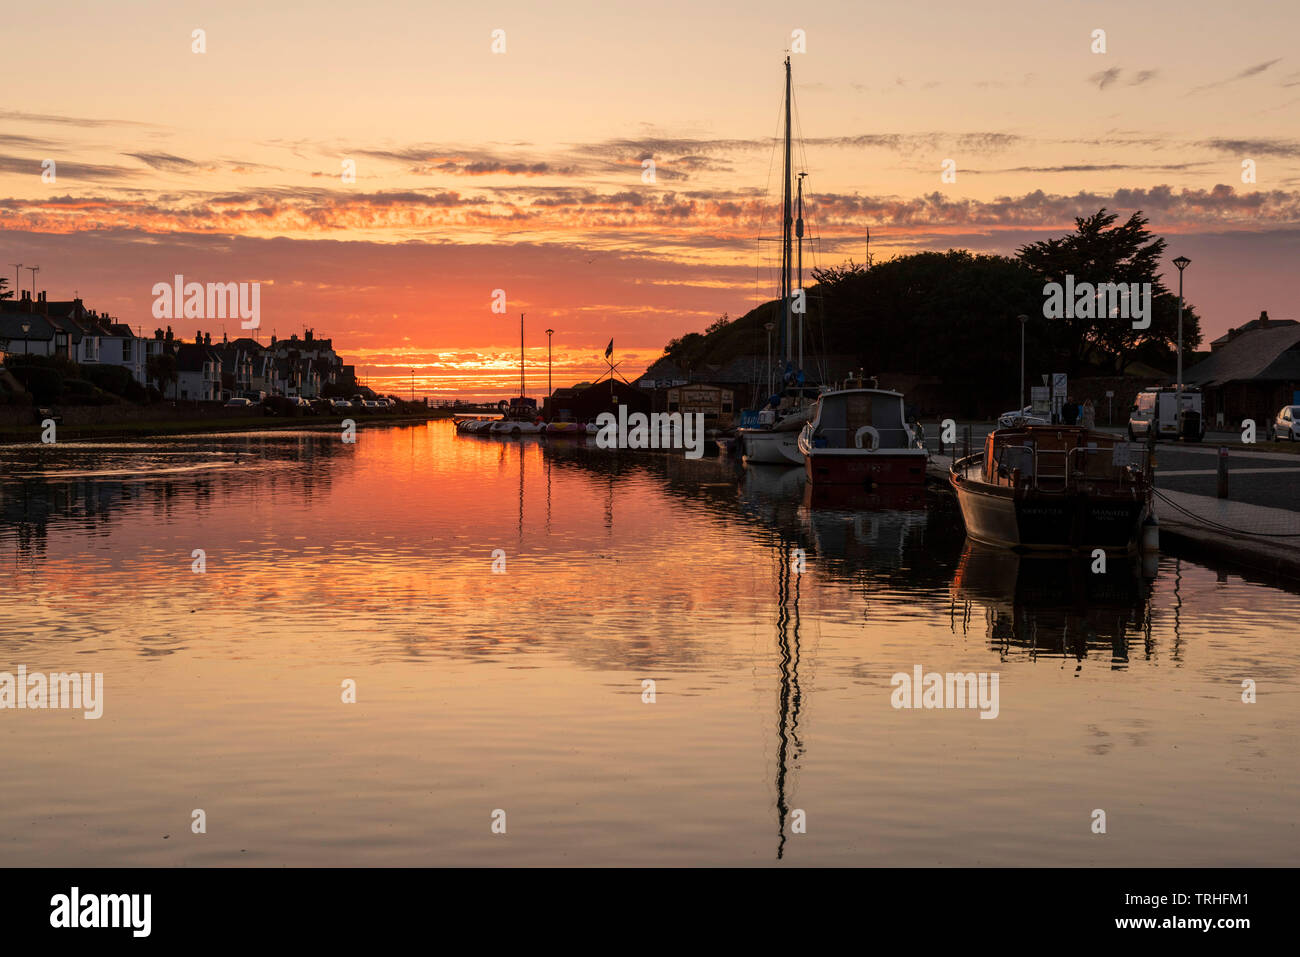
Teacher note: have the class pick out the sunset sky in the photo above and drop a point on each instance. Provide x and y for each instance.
(522, 170)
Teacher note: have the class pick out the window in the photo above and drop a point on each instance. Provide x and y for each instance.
(126, 350)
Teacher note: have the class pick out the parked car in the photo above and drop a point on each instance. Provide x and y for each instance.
(1286, 424)
(340, 405)
(238, 403)
(1027, 416)
(371, 405)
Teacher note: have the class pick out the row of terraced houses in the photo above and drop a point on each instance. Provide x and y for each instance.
(205, 371)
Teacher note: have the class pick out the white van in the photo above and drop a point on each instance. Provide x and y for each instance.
(1170, 413)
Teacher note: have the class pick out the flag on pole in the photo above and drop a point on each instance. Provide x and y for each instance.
(609, 349)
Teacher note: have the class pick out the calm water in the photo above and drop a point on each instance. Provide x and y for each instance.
(522, 691)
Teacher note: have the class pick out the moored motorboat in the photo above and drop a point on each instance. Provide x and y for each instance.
(859, 437)
(1054, 487)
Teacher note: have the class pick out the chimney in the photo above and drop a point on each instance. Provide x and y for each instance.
(1263, 319)
(207, 338)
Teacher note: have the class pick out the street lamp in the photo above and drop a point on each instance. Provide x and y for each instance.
(549, 333)
(26, 328)
(1023, 320)
(412, 385)
(1182, 262)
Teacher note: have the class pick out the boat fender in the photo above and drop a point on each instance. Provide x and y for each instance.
(1150, 535)
(867, 430)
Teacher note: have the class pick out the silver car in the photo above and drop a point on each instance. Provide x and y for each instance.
(1286, 424)
(1026, 416)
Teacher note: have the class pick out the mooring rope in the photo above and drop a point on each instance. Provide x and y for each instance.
(1213, 524)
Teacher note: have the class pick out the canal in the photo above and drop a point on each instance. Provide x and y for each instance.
(367, 654)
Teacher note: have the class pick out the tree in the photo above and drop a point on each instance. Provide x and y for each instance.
(1100, 252)
(5, 293)
(162, 369)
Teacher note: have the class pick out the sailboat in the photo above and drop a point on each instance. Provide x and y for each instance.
(521, 418)
(775, 439)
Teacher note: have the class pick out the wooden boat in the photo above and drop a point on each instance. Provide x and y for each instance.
(1054, 487)
(858, 437)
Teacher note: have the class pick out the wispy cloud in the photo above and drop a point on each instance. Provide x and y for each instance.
(1250, 71)
(165, 161)
(1105, 78)
(17, 116)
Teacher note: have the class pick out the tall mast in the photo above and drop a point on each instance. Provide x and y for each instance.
(798, 229)
(521, 355)
(785, 224)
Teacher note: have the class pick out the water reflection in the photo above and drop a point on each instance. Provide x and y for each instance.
(1053, 606)
(522, 689)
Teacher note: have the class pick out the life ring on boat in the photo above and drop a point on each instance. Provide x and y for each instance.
(870, 433)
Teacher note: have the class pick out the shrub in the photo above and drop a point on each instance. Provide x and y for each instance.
(44, 383)
(115, 379)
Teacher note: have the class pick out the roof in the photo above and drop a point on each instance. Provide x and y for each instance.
(11, 327)
(190, 357)
(1263, 322)
(1270, 354)
(75, 330)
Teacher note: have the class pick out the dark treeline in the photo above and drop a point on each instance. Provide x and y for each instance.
(954, 314)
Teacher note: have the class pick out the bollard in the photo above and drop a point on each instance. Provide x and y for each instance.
(1223, 471)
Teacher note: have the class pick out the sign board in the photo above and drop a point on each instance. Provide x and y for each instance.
(1041, 397)
(1110, 393)
(1127, 453)
(1058, 384)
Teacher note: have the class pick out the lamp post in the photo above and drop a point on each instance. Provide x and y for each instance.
(549, 333)
(1182, 262)
(26, 328)
(412, 385)
(1023, 320)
